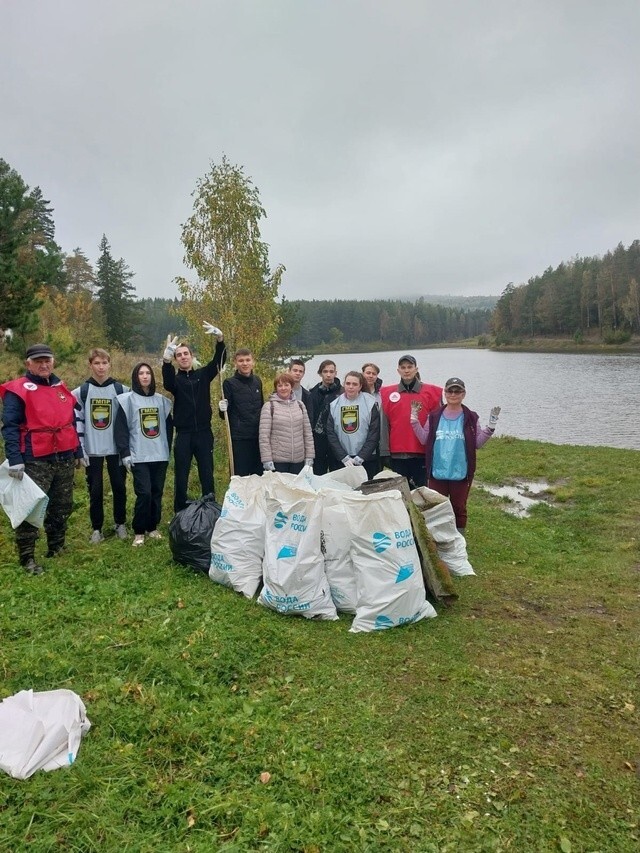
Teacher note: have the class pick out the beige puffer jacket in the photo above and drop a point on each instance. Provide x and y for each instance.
(285, 431)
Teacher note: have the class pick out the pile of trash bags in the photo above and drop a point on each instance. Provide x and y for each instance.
(315, 546)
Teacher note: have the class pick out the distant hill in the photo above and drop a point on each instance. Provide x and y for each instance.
(467, 303)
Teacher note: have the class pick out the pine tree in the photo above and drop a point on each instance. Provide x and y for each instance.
(115, 295)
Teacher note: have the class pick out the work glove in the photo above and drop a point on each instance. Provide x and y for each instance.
(308, 463)
(223, 405)
(358, 460)
(16, 471)
(493, 417)
(128, 463)
(416, 405)
(268, 466)
(212, 330)
(170, 348)
(84, 459)
(347, 462)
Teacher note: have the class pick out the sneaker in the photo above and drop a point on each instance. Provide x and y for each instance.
(155, 534)
(138, 540)
(121, 531)
(58, 551)
(96, 537)
(32, 568)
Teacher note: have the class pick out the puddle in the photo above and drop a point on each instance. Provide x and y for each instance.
(518, 498)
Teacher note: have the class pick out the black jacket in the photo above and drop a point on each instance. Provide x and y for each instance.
(244, 395)
(321, 398)
(191, 392)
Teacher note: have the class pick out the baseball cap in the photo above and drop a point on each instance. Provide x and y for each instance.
(39, 351)
(408, 358)
(450, 383)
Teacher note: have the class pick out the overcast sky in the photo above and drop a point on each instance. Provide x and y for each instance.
(399, 147)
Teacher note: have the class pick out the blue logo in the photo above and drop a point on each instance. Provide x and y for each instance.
(382, 622)
(280, 520)
(404, 573)
(287, 551)
(381, 542)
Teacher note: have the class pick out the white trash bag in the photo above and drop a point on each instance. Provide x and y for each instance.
(40, 731)
(441, 524)
(22, 500)
(336, 546)
(293, 569)
(344, 479)
(237, 542)
(388, 573)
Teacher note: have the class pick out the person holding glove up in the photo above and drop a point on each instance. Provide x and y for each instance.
(451, 435)
(191, 390)
(353, 425)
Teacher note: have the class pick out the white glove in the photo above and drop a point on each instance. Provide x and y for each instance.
(212, 330)
(416, 405)
(16, 471)
(223, 405)
(493, 417)
(358, 460)
(84, 460)
(170, 348)
(128, 463)
(347, 462)
(308, 463)
(268, 466)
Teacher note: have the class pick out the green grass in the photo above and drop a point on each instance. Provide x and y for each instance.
(508, 723)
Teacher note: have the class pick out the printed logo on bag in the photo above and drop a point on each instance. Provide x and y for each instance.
(100, 413)
(406, 620)
(150, 421)
(349, 418)
(234, 499)
(218, 562)
(380, 542)
(280, 520)
(287, 551)
(383, 622)
(404, 538)
(299, 522)
(404, 572)
(285, 603)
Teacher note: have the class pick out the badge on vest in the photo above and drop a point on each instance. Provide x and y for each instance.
(62, 396)
(349, 418)
(150, 421)
(394, 396)
(100, 413)
(30, 386)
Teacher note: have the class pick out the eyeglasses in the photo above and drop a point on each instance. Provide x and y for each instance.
(455, 389)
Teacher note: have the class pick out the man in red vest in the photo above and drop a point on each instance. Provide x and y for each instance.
(40, 440)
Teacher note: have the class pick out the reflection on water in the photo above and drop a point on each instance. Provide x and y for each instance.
(518, 502)
(561, 398)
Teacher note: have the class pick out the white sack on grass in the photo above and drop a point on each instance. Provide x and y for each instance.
(237, 542)
(22, 500)
(344, 479)
(293, 569)
(441, 524)
(388, 573)
(336, 544)
(40, 731)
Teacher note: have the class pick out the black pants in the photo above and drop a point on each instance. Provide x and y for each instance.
(117, 477)
(148, 484)
(324, 459)
(414, 469)
(189, 445)
(246, 456)
(56, 479)
(289, 467)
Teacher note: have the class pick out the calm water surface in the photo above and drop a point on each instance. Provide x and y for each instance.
(564, 399)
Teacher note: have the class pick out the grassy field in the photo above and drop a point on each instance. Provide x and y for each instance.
(510, 722)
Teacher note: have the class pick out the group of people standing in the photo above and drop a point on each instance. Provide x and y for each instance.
(420, 431)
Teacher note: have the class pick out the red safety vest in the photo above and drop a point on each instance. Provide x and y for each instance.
(49, 417)
(396, 405)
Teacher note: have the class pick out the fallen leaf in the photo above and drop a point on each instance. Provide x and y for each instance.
(265, 777)
(191, 818)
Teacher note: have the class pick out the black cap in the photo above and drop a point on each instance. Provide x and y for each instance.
(39, 351)
(408, 358)
(451, 383)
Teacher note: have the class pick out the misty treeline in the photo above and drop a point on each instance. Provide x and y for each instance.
(581, 297)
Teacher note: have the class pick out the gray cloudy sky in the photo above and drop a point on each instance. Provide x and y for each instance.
(399, 147)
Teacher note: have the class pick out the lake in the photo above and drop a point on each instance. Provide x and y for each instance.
(561, 398)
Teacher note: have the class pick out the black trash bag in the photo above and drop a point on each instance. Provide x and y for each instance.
(190, 533)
